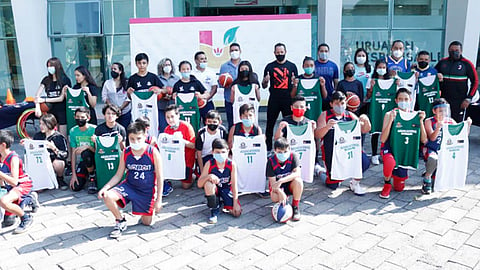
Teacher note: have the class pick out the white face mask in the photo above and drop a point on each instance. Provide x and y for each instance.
(235, 55)
(51, 70)
(397, 53)
(137, 146)
(361, 60)
(167, 69)
(381, 71)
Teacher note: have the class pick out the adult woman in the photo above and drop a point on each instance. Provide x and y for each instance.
(363, 70)
(86, 82)
(166, 74)
(115, 92)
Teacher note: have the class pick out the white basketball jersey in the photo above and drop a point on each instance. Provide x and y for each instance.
(452, 157)
(302, 142)
(241, 99)
(347, 151)
(39, 166)
(410, 84)
(172, 150)
(146, 107)
(250, 156)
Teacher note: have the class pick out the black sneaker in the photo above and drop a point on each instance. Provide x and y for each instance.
(427, 186)
(120, 226)
(332, 186)
(92, 186)
(61, 183)
(68, 170)
(35, 204)
(296, 213)
(8, 221)
(25, 224)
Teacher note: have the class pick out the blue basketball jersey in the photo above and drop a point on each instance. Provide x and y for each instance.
(279, 169)
(6, 165)
(402, 65)
(140, 170)
(224, 175)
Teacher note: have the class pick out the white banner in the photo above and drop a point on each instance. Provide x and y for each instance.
(179, 38)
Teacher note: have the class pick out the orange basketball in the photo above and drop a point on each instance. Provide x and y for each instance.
(160, 95)
(201, 103)
(225, 80)
(353, 101)
(45, 107)
(169, 90)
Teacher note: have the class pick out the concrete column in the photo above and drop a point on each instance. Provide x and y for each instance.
(330, 26)
(34, 48)
(160, 8)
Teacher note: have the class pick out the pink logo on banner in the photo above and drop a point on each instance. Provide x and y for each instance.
(217, 55)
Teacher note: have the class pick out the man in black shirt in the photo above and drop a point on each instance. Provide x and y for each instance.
(143, 79)
(281, 75)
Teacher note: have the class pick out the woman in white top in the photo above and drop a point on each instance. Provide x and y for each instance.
(115, 92)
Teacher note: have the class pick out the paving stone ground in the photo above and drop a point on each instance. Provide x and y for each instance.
(338, 230)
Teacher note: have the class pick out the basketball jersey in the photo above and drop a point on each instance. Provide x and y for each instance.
(407, 80)
(250, 156)
(39, 165)
(140, 170)
(238, 130)
(347, 151)
(428, 91)
(280, 170)
(310, 89)
(188, 105)
(401, 65)
(405, 139)
(75, 100)
(172, 150)
(107, 157)
(145, 104)
(302, 142)
(383, 100)
(452, 157)
(244, 95)
(224, 175)
(5, 167)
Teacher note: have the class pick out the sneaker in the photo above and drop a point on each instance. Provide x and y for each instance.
(376, 160)
(120, 226)
(68, 170)
(213, 215)
(385, 194)
(318, 169)
(356, 188)
(61, 184)
(264, 195)
(8, 221)
(296, 214)
(167, 188)
(35, 204)
(332, 186)
(25, 223)
(92, 186)
(427, 186)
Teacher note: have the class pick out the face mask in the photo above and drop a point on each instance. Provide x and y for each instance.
(114, 74)
(244, 73)
(212, 127)
(137, 146)
(403, 105)
(349, 73)
(381, 71)
(185, 75)
(220, 157)
(175, 125)
(51, 70)
(167, 69)
(309, 70)
(298, 112)
(361, 60)
(339, 109)
(454, 54)
(280, 57)
(203, 65)
(323, 56)
(235, 55)
(247, 122)
(397, 53)
(282, 157)
(81, 122)
(423, 64)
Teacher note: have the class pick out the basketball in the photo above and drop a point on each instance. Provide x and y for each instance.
(201, 103)
(282, 213)
(169, 90)
(225, 79)
(353, 101)
(45, 107)
(157, 89)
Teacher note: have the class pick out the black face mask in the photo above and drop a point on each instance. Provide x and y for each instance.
(114, 74)
(280, 57)
(244, 73)
(423, 64)
(454, 55)
(212, 127)
(349, 73)
(81, 122)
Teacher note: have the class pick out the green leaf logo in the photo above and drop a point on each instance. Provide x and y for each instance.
(229, 36)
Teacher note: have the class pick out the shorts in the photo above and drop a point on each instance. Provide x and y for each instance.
(285, 186)
(142, 200)
(227, 197)
(23, 189)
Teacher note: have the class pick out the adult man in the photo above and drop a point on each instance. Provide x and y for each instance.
(208, 78)
(230, 67)
(328, 70)
(281, 75)
(456, 71)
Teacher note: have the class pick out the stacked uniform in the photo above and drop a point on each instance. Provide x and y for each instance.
(145, 104)
(428, 91)
(302, 142)
(405, 139)
(347, 151)
(188, 105)
(39, 165)
(75, 100)
(383, 100)
(310, 89)
(407, 80)
(250, 156)
(107, 157)
(244, 95)
(172, 151)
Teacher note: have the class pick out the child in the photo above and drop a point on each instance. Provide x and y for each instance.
(207, 134)
(149, 138)
(247, 126)
(83, 145)
(143, 166)
(219, 180)
(17, 183)
(111, 128)
(350, 83)
(283, 173)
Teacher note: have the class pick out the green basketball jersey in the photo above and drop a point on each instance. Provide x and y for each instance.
(310, 89)
(383, 100)
(189, 109)
(405, 139)
(75, 100)
(428, 91)
(107, 156)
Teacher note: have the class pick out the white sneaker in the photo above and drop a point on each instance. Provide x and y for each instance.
(318, 169)
(356, 188)
(376, 160)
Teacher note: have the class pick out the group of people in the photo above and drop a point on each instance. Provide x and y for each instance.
(393, 106)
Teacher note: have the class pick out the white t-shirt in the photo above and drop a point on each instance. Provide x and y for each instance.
(208, 78)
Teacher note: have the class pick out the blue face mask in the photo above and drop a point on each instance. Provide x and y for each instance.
(220, 157)
(203, 65)
(247, 122)
(185, 75)
(282, 157)
(309, 70)
(404, 105)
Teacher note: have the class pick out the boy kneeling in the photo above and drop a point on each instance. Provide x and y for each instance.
(143, 167)
(219, 180)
